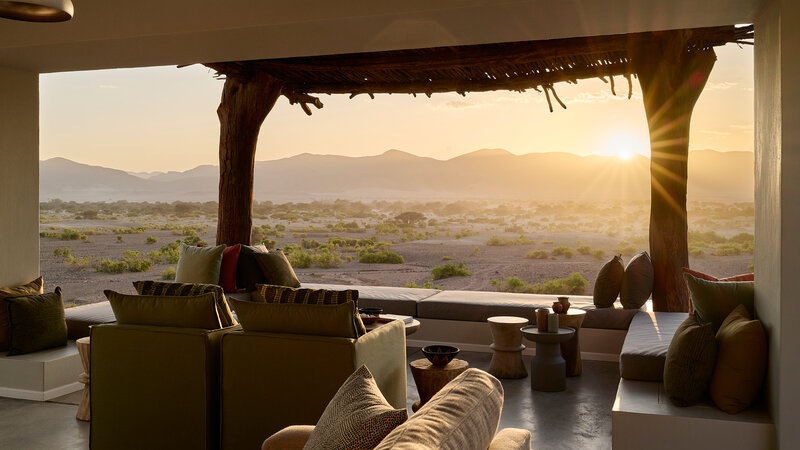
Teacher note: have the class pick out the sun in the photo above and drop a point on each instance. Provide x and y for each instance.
(624, 146)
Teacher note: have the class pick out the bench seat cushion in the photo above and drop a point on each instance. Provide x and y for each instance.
(80, 318)
(608, 318)
(393, 300)
(477, 306)
(645, 348)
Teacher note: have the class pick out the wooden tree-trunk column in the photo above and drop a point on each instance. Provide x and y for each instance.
(672, 79)
(244, 106)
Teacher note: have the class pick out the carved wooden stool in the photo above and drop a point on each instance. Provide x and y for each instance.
(507, 346)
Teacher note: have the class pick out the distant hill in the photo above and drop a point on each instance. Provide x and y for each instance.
(486, 173)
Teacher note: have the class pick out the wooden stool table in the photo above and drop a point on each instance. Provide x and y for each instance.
(430, 379)
(571, 349)
(84, 411)
(507, 347)
(548, 369)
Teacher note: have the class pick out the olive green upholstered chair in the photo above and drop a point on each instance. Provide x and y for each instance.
(273, 380)
(155, 387)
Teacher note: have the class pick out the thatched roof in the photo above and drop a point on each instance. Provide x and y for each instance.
(507, 66)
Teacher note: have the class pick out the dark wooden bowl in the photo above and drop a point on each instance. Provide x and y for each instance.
(440, 355)
(369, 315)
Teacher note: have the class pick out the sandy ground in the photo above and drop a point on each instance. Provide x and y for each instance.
(487, 263)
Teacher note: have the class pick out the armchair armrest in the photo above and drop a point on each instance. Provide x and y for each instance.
(511, 439)
(289, 438)
(383, 351)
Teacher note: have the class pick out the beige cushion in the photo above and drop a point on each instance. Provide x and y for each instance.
(150, 287)
(165, 311)
(741, 361)
(358, 417)
(297, 318)
(511, 439)
(199, 264)
(463, 415)
(35, 287)
(290, 438)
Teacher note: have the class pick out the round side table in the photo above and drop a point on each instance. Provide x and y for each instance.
(571, 349)
(84, 411)
(507, 347)
(548, 369)
(430, 379)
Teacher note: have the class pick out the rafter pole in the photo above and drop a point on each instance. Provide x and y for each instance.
(672, 80)
(244, 106)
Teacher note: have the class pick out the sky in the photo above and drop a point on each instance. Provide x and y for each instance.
(164, 118)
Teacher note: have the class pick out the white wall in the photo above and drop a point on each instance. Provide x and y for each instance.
(777, 201)
(19, 177)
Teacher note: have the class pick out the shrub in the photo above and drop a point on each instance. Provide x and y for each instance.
(537, 254)
(65, 252)
(497, 241)
(381, 257)
(150, 240)
(171, 252)
(598, 253)
(447, 258)
(584, 249)
(68, 234)
(426, 285)
(697, 252)
(563, 250)
(300, 259)
(110, 266)
(547, 242)
(573, 284)
(625, 248)
(194, 240)
(728, 249)
(450, 270)
(326, 259)
(120, 239)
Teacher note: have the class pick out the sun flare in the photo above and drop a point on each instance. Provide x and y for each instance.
(624, 146)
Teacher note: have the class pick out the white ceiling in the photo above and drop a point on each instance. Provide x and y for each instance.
(135, 33)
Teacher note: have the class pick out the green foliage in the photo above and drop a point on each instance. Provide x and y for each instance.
(537, 254)
(573, 284)
(450, 270)
(697, 252)
(128, 230)
(563, 250)
(547, 242)
(120, 240)
(65, 252)
(728, 249)
(171, 252)
(68, 234)
(381, 257)
(426, 285)
(584, 249)
(447, 258)
(150, 240)
(497, 241)
(410, 217)
(750, 267)
(110, 266)
(598, 253)
(625, 248)
(194, 240)
(465, 233)
(386, 228)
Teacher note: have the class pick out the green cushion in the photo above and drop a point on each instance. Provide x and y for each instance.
(712, 301)
(37, 322)
(199, 264)
(32, 288)
(280, 294)
(166, 311)
(690, 362)
(297, 318)
(277, 269)
(151, 287)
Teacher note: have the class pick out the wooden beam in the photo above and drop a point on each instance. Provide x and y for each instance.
(244, 106)
(672, 80)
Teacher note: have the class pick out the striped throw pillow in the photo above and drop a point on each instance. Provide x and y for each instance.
(150, 287)
(283, 294)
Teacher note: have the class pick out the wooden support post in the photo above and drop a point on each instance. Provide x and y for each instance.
(244, 106)
(672, 79)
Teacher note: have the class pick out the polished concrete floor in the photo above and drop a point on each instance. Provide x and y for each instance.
(577, 418)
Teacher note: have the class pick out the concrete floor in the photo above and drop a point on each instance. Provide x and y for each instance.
(577, 418)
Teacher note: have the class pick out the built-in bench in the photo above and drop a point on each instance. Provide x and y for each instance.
(41, 375)
(643, 417)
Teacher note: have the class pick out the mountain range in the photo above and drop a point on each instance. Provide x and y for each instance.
(482, 174)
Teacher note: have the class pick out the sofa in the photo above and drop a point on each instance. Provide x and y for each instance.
(463, 415)
(272, 380)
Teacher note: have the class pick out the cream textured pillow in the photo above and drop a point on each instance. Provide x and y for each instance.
(463, 415)
(358, 416)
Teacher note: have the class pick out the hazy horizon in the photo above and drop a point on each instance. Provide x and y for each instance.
(164, 119)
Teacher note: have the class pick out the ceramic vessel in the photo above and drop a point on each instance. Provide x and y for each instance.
(440, 355)
(564, 304)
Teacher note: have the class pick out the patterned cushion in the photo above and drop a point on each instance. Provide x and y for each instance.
(282, 294)
(358, 416)
(32, 288)
(463, 415)
(150, 287)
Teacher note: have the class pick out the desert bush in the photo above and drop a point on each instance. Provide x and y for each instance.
(171, 252)
(426, 285)
(728, 249)
(563, 250)
(498, 241)
(381, 257)
(697, 252)
(309, 243)
(476, 250)
(269, 243)
(300, 259)
(150, 240)
(537, 254)
(573, 284)
(110, 266)
(326, 259)
(410, 217)
(386, 228)
(194, 240)
(68, 234)
(584, 249)
(128, 230)
(447, 258)
(120, 240)
(450, 270)
(78, 262)
(598, 253)
(515, 229)
(625, 248)
(465, 233)
(547, 242)
(65, 252)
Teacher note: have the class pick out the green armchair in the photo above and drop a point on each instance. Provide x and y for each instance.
(273, 380)
(155, 387)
